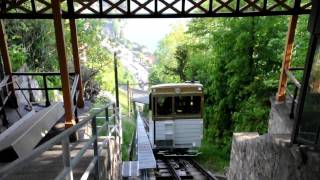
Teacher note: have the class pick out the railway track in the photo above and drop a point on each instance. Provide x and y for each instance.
(176, 166)
(180, 168)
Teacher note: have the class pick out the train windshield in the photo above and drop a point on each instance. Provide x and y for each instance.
(164, 105)
(180, 105)
(187, 104)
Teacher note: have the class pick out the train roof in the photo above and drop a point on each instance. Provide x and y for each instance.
(176, 85)
(177, 88)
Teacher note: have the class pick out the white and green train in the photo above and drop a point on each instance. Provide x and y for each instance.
(176, 118)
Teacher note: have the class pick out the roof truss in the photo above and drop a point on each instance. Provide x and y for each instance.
(42, 9)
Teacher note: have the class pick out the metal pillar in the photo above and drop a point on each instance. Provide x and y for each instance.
(6, 62)
(60, 43)
(128, 97)
(76, 60)
(281, 94)
(116, 79)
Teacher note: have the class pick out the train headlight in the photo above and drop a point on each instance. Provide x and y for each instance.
(177, 90)
(199, 88)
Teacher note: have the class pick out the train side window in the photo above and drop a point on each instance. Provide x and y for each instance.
(153, 106)
(164, 105)
(187, 104)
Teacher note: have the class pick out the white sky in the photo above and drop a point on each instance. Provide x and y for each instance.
(149, 32)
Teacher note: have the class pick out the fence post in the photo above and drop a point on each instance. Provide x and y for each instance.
(46, 90)
(293, 102)
(107, 119)
(66, 157)
(4, 116)
(75, 101)
(95, 147)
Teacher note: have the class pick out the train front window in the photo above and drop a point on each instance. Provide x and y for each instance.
(164, 105)
(187, 104)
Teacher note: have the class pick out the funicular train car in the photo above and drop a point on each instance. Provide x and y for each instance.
(177, 116)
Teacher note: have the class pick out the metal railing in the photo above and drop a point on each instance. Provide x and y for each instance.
(68, 162)
(45, 87)
(297, 85)
(4, 96)
(74, 88)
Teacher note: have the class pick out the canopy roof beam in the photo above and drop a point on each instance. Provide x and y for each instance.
(28, 9)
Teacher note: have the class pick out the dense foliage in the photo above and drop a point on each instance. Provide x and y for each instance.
(32, 45)
(238, 61)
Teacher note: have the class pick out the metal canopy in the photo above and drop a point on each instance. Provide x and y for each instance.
(71, 9)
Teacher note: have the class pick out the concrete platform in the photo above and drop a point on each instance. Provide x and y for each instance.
(146, 158)
(130, 169)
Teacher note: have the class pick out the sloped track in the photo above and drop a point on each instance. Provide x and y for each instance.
(180, 168)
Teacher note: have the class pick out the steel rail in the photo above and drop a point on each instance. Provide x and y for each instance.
(171, 168)
(203, 171)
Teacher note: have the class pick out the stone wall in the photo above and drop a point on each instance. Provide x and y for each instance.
(279, 118)
(271, 156)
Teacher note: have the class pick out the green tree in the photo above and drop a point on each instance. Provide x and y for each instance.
(181, 61)
(238, 61)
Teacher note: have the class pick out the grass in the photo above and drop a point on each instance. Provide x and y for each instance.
(128, 129)
(128, 124)
(213, 157)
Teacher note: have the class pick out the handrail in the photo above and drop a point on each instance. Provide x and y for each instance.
(297, 85)
(23, 161)
(293, 78)
(4, 81)
(25, 97)
(4, 101)
(40, 73)
(45, 84)
(74, 85)
(296, 68)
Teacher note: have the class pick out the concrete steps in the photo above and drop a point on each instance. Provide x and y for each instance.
(50, 164)
(20, 139)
